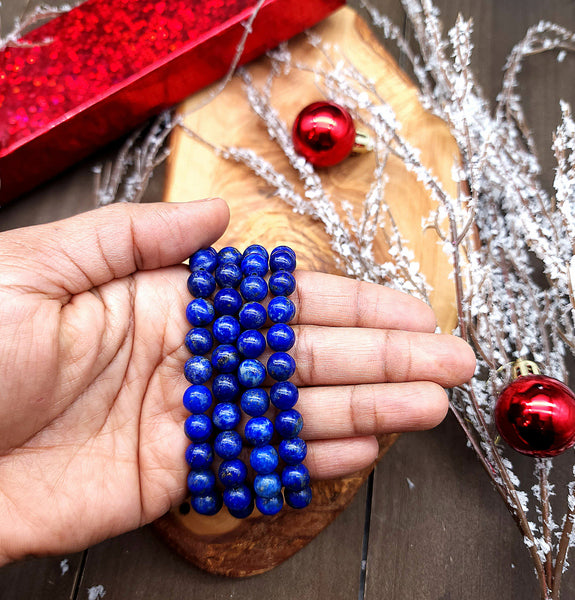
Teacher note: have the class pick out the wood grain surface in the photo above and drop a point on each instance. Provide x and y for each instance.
(222, 544)
(436, 528)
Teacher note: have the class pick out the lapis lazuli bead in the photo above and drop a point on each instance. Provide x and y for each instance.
(280, 337)
(237, 498)
(228, 275)
(206, 259)
(227, 301)
(199, 455)
(299, 499)
(226, 416)
(201, 481)
(228, 444)
(207, 504)
(281, 309)
(229, 254)
(251, 343)
(282, 283)
(292, 451)
(253, 315)
(225, 387)
(253, 288)
(267, 486)
(264, 459)
(232, 472)
(226, 329)
(254, 264)
(225, 358)
(295, 477)
(259, 431)
(201, 284)
(199, 340)
(281, 366)
(251, 373)
(197, 369)
(270, 506)
(197, 399)
(244, 513)
(288, 423)
(282, 260)
(255, 402)
(284, 395)
(256, 249)
(198, 428)
(200, 312)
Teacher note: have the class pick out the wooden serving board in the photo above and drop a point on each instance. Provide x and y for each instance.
(223, 544)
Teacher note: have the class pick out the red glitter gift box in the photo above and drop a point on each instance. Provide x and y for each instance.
(107, 65)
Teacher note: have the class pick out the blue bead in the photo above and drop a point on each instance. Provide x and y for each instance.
(251, 373)
(199, 340)
(244, 513)
(251, 343)
(200, 312)
(197, 369)
(201, 481)
(282, 260)
(229, 254)
(255, 402)
(288, 423)
(267, 486)
(225, 387)
(281, 366)
(254, 264)
(295, 477)
(264, 459)
(287, 249)
(200, 455)
(227, 301)
(205, 259)
(253, 315)
(237, 498)
(284, 395)
(198, 427)
(226, 416)
(197, 399)
(292, 451)
(253, 288)
(299, 499)
(201, 284)
(259, 431)
(228, 444)
(225, 358)
(228, 275)
(281, 309)
(232, 472)
(270, 506)
(226, 329)
(280, 337)
(256, 249)
(282, 283)
(207, 504)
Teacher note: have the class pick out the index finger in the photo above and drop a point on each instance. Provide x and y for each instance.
(335, 301)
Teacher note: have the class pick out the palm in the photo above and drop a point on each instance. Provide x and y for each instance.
(110, 443)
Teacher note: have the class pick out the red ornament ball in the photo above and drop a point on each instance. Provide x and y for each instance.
(324, 134)
(535, 415)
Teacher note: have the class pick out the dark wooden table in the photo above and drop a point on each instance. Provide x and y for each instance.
(431, 526)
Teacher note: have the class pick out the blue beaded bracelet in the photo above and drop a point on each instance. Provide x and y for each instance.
(226, 378)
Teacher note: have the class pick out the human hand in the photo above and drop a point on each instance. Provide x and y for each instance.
(92, 323)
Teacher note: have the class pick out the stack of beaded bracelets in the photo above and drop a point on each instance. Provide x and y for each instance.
(227, 323)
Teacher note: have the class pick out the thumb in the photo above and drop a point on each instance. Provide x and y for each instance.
(88, 250)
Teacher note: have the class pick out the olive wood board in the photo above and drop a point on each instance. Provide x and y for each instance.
(222, 544)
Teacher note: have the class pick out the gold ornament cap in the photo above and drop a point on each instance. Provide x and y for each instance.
(523, 367)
